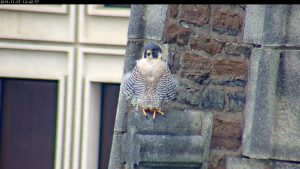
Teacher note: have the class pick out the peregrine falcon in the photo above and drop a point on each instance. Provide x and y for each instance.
(150, 82)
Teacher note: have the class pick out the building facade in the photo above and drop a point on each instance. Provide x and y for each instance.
(68, 58)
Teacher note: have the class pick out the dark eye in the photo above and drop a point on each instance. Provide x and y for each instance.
(153, 50)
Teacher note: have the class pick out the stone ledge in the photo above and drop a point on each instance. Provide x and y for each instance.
(244, 163)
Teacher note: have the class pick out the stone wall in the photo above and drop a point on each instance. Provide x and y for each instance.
(240, 63)
(208, 57)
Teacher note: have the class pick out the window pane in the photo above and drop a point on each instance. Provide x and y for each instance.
(27, 123)
(110, 95)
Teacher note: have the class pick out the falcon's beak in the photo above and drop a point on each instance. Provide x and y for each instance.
(149, 54)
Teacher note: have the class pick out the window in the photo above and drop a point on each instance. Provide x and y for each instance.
(109, 102)
(27, 123)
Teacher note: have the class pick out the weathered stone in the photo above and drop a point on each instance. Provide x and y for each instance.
(229, 69)
(213, 99)
(211, 46)
(134, 50)
(225, 81)
(166, 141)
(260, 101)
(227, 128)
(154, 19)
(175, 33)
(229, 144)
(189, 92)
(183, 37)
(172, 10)
(231, 49)
(227, 22)
(136, 25)
(235, 49)
(272, 25)
(245, 163)
(174, 61)
(217, 159)
(293, 30)
(195, 14)
(236, 101)
(272, 107)
(195, 67)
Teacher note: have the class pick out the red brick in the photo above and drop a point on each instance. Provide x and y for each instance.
(232, 68)
(227, 22)
(195, 67)
(210, 46)
(237, 50)
(227, 129)
(195, 14)
(173, 10)
(175, 33)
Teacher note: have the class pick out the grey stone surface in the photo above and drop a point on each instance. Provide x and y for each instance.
(154, 19)
(267, 24)
(147, 21)
(254, 22)
(136, 25)
(272, 106)
(293, 29)
(244, 163)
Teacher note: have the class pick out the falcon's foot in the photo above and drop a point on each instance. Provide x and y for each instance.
(144, 112)
(157, 111)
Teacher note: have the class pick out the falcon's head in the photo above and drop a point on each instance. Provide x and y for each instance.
(152, 50)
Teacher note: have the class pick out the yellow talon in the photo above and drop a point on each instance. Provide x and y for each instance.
(157, 111)
(154, 114)
(144, 112)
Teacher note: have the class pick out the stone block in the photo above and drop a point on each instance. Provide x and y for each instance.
(229, 144)
(195, 67)
(154, 20)
(213, 99)
(147, 21)
(172, 10)
(234, 49)
(293, 30)
(272, 109)
(195, 14)
(229, 70)
(136, 25)
(226, 128)
(189, 92)
(175, 33)
(227, 22)
(272, 25)
(165, 142)
(210, 46)
(236, 101)
(244, 163)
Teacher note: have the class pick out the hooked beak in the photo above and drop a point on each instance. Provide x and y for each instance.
(149, 54)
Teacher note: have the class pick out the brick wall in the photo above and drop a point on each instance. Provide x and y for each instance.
(207, 56)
